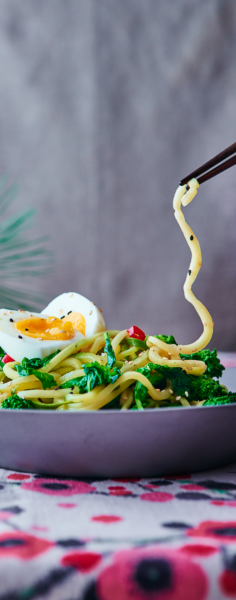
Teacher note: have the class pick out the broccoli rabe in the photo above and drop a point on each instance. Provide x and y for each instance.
(111, 359)
(195, 387)
(16, 403)
(168, 339)
(155, 378)
(95, 374)
(229, 399)
(202, 388)
(214, 366)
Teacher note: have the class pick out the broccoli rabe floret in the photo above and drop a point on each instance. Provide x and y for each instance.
(229, 399)
(155, 378)
(214, 366)
(16, 403)
(202, 388)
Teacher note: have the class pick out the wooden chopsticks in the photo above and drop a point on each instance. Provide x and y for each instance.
(210, 172)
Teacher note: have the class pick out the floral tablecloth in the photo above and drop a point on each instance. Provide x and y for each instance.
(168, 538)
(162, 538)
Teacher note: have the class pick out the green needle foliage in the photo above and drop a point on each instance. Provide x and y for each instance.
(21, 257)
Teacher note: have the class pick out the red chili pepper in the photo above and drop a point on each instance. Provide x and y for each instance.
(7, 359)
(135, 332)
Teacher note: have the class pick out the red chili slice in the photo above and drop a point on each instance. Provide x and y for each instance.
(7, 359)
(135, 332)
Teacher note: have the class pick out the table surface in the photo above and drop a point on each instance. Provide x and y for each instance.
(164, 538)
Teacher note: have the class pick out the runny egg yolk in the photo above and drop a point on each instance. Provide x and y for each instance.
(52, 328)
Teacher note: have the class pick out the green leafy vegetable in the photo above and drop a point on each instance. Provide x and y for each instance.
(204, 388)
(229, 399)
(71, 383)
(168, 339)
(156, 379)
(46, 379)
(210, 358)
(15, 402)
(2, 354)
(38, 363)
(111, 359)
(95, 374)
(197, 387)
(180, 381)
(137, 343)
(25, 369)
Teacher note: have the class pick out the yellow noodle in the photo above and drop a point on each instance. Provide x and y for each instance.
(97, 345)
(127, 377)
(131, 350)
(126, 398)
(44, 393)
(139, 362)
(101, 401)
(183, 196)
(84, 398)
(9, 371)
(85, 357)
(70, 375)
(170, 349)
(119, 338)
(184, 401)
(71, 362)
(194, 367)
(64, 371)
(73, 348)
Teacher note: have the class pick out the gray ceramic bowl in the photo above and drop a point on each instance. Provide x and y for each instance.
(120, 444)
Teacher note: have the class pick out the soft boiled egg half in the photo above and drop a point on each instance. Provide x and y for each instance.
(65, 320)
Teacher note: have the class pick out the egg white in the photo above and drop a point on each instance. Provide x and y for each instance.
(19, 346)
(64, 303)
(25, 346)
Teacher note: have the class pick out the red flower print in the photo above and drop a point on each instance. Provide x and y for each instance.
(119, 490)
(157, 497)
(22, 545)
(152, 572)
(199, 549)
(82, 561)
(231, 503)
(227, 583)
(18, 477)
(107, 519)
(58, 487)
(217, 530)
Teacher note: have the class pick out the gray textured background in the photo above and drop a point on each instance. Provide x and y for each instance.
(104, 106)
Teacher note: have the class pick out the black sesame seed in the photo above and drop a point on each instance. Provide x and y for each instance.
(11, 320)
(70, 311)
(191, 237)
(26, 330)
(72, 387)
(71, 392)
(62, 317)
(40, 399)
(189, 272)
(187, 188)
(57, 388)
(20, 337)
